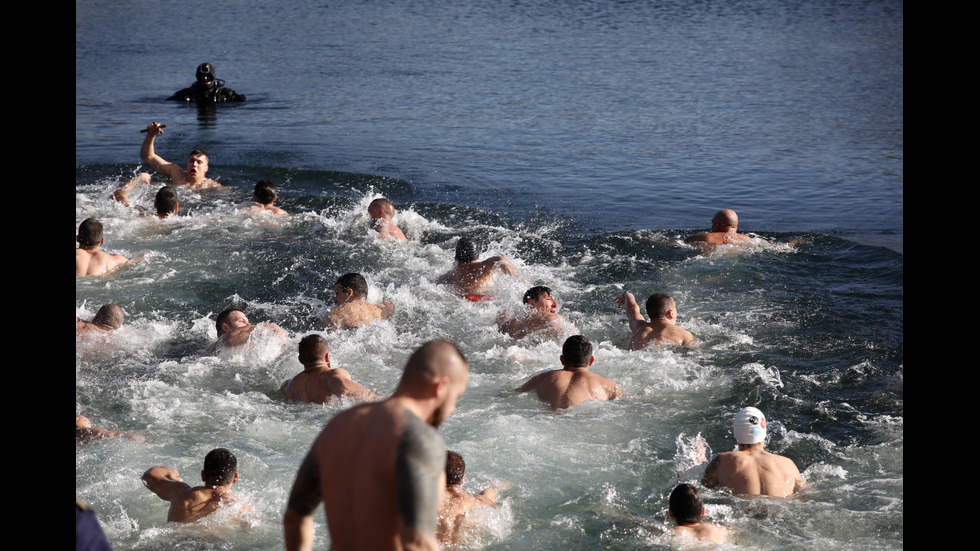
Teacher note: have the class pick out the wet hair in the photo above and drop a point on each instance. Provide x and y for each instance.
(455, 468)
(265, 192)
(534, 293)
(166, 200)
(224, 316)
(467, 250)
(220, 467)
(355, 282)
(658, 304)
(111, 315)
(198, 151)
(312, 348)
(577, 350)
(686, 504)
(90, 233)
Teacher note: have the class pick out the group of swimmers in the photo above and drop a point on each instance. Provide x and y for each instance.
(380, 468)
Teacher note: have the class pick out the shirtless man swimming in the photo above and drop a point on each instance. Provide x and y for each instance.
(573, 384)
(352, 307)
(382, 211)
(319, 382)
(687, 508)
(541, 316)
(724, 231)
(263, 199)
(234, 330)
(193, 177)
(85, 431)
(662, 328)
(456, 502)
(188, 504)
(379, 468)
(164, 204)
(752, 470)
(90, 259)
(109, 317)
(470, 278)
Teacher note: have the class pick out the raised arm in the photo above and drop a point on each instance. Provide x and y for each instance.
(165, 483)
(149, 156)
(421, 476)
(633, 314)
(304, 499)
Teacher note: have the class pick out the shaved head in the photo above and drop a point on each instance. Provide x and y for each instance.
(111, 315)
(724, 220)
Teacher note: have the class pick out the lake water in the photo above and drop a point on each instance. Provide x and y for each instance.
(583, 140)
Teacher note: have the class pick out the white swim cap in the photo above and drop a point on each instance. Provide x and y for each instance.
(749, 426)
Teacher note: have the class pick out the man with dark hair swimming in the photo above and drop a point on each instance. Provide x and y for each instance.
(234, 330)
(662, 328)
(687, 508)
(456, 502)
(188, 504)
(164, 204)
(319, 382)
(352, 307)
(90, 259)
(193, 177)
(573, 384)
(263, 198)
(540, 317)
(379, 468)
(470, 277)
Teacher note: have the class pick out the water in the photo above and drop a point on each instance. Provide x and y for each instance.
(583, 141)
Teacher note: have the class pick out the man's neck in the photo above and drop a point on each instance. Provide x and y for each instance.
(316, 367)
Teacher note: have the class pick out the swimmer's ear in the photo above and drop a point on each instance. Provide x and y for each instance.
(440, 386)
(591, 360)
(670, 512)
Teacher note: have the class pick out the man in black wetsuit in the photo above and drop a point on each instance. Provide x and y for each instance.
(207, 89)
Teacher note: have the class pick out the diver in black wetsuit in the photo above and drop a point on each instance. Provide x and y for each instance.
(207, 89)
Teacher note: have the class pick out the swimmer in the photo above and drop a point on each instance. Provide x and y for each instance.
(194, 177)
(662, 328)
(319, 382)
(108, 318)
(85, 432)
(573, 384)
(262, 199)
(724, 231)
(751, 470)
(164, 204)
(687, 508)
(382, 211)
(470, 277)
(379, 468)
(90, 259)
(539, 317)
(234, 330)
(456, 502)
(189, 504)
(352, 308)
